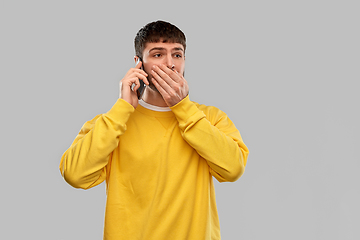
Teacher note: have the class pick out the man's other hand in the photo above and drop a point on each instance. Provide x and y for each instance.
(172, 85)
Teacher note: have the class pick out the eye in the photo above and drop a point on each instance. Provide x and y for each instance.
(157, 55)
(178, 55)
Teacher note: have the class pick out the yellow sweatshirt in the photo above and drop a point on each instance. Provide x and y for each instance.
(158, 168)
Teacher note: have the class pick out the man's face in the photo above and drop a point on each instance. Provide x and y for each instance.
(170, 54)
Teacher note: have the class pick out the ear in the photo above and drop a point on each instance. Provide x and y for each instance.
(136, 58)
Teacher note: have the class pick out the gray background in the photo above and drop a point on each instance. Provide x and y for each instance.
(286, 73)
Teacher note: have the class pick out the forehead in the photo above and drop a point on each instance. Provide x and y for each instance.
(164, 45)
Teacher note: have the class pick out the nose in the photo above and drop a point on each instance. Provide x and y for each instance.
(170, 63)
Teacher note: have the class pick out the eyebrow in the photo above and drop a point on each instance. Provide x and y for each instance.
(162, 49)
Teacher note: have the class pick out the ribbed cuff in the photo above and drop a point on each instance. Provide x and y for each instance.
(121, 111)
(185, 109)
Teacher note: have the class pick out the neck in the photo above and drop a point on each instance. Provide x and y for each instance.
(153, 97)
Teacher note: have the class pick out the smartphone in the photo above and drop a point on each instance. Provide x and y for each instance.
(141, 89)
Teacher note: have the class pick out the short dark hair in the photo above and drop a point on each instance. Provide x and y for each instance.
(156, 31)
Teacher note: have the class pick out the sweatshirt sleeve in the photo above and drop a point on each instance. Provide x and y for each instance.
(214, 137)
(83, 164)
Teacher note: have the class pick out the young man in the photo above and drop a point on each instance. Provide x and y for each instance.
(157, 154)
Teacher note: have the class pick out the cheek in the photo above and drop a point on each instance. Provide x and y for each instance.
(147, 68)
(181, 69)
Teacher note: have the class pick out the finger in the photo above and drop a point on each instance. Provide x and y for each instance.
(159, 72)
(138, 68)
(172, 73)
(142, 77)
(131, 83)
(177, 77)
(161, 82)
(135, 70)
(160, 88)
(137, 73)
(135, 86)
